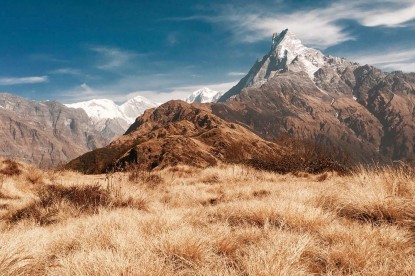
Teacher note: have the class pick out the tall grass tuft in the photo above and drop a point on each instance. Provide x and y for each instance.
(11, 168)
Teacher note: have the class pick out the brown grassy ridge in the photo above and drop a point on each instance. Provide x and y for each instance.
(224, 220)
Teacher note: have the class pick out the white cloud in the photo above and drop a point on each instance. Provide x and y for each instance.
(405, 67)
(47, 58)
(236, 74)
(317, 27)
(67, 71)
(386, 17)
(84, 92)
(87, 90)
(172, 39)
(394, 59)
(392, 56)
(113, 58)
(24, 80)
(314, 29)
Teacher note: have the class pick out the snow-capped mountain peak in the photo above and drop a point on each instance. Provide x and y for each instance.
(98, 109)
(136, 106)
(287, 52)
(287, 46)
(286, 38)
(204, 95)
(104, 113)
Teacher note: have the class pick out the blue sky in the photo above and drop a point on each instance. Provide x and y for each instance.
(78, 50)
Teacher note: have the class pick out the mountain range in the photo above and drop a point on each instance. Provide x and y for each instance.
(49, 133)
(292, 91)
(44, 133)
(110, 119)
(204, 95)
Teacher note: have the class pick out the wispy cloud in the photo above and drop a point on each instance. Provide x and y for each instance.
(391, 14)
(172, 39)
(395, 59)
(84, 92)
(113, 58)
(23, 80)
(236, 74)
(318, 27)
(66, 71)
(405, 67)
(47, 58)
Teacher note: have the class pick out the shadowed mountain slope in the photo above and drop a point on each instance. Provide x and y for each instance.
(44, 133)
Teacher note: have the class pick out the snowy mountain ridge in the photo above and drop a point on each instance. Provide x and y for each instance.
(288, 53)
(103, 109)
(204, 95)
(112, 120)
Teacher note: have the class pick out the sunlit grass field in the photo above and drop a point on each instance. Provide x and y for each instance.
(225, 220)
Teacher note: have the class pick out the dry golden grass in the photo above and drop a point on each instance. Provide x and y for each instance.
(225, 220)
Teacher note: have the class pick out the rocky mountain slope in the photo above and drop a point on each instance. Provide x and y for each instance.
(175, 133)
(297, 91)
(44, 133)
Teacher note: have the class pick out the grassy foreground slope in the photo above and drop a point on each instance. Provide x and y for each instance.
(224, 220)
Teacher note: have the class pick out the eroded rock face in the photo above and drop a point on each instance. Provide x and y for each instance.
(175, 133)
(44, 133)
(290, 104)
(389, 97)
(297, 91)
